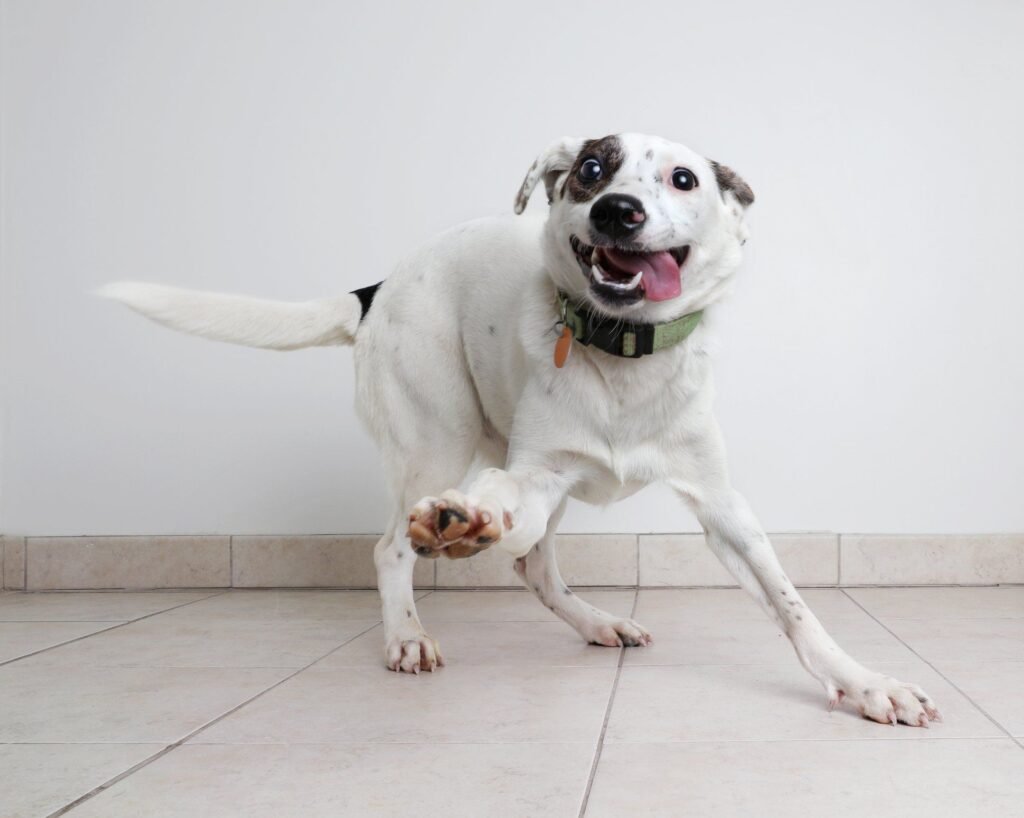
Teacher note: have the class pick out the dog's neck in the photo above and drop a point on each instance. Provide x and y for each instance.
(623, 339)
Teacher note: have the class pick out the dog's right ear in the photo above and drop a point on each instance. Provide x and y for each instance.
(552, 163)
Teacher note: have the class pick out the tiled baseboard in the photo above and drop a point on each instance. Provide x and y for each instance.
(647, 560)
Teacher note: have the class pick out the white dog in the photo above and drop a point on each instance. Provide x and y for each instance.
(567, 352)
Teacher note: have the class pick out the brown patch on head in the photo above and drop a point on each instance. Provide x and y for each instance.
(729, 180)
(608, 151)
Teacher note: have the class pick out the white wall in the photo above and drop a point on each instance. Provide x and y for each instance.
(870, 371)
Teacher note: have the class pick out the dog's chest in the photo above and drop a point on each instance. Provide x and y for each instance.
(628, 435)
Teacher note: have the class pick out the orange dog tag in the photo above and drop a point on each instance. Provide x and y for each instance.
(562, 347)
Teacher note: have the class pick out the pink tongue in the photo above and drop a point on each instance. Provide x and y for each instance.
(660, 272)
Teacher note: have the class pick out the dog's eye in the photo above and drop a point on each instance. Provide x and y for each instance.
(590, 170)
(684, 179)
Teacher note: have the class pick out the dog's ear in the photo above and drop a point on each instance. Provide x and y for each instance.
(730, 183)
(552, 163)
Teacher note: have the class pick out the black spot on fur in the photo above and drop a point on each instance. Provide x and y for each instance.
(783, 593)
(484, 540)
(566, 591)
(491, 329)
(800, 618)
(608, 151)
(408, 614)
(649, 155)
(729, 180)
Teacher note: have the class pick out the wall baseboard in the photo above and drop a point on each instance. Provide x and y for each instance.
(624, 560)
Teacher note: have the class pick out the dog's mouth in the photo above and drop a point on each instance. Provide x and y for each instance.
(625, 275)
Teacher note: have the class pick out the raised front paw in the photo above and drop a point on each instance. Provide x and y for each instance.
(455, 525)
(886, 700)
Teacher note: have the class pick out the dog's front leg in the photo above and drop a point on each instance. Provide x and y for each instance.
(737, 539)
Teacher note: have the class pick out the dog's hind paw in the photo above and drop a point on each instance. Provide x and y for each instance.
(454, 525)
(616, 633)
(407, 653)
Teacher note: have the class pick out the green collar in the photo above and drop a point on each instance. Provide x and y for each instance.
(625, 340)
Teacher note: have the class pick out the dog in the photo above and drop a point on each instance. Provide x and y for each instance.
(568, 355)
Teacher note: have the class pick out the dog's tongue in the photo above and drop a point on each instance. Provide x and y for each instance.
(660, 272)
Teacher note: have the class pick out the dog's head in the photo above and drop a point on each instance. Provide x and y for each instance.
(639, 227)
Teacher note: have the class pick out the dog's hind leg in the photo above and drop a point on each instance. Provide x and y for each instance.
(539, 571)
(407, 646)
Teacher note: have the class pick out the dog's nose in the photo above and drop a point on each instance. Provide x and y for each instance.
(617, 215)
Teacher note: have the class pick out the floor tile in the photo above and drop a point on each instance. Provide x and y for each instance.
(768, 703)
(99, 606)
(270, 605)
(698, 604)
(509, 606)
(460, 781)
(947, 603)
(454, 704)
(926, 779)
(994, 687)
(20, 638)
(548, 644)
(47, 704)
(756, 641)
(976, 640)
(42, 778)
(167, 641)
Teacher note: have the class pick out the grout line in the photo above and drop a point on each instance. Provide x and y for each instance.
(175, 745)
(942, 675)
(637, 562)
(113, 627)
(839, 560)
(502, 742)
(607, 717)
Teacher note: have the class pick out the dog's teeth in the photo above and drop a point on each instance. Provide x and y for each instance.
(621, 286)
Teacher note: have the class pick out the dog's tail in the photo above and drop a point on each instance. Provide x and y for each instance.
(236, 319)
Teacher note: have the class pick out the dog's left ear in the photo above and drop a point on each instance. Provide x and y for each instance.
(552, 163)
(730, 183)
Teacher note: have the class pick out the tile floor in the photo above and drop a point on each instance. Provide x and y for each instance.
(274, 703)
